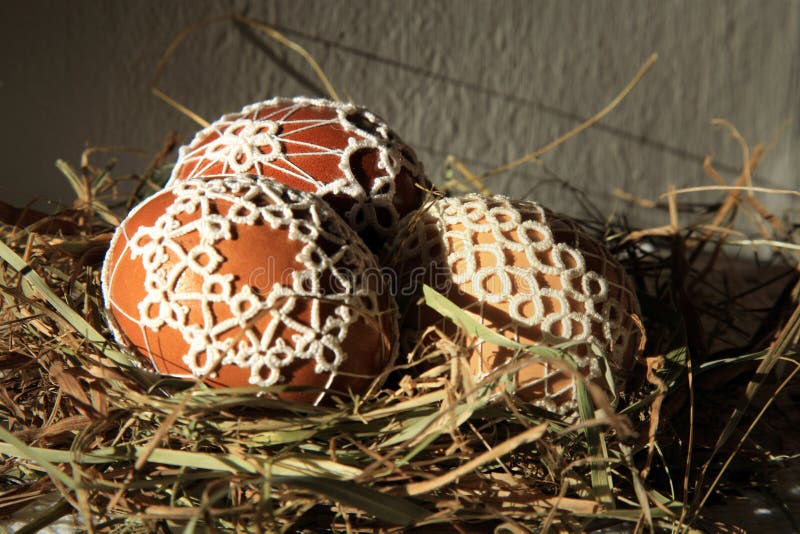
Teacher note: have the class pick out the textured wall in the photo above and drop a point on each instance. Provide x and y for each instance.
(487, 81)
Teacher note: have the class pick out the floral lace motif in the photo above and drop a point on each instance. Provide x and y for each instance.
(220, 205)
(244, 144)
(525, 241)
(257, 141)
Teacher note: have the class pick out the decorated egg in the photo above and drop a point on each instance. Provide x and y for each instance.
(530, 274)
(337, 151)
(241, 281)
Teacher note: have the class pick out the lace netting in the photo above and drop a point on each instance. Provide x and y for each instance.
(210, 210)
(285, 138)
(544, 274)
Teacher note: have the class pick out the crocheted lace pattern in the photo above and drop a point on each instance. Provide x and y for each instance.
(261, 139)
(525, 241)
(214, 208)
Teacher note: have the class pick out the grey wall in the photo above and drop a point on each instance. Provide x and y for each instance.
(487, 81)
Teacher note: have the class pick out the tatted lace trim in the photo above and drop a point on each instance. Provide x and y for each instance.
(447, 234)
(250, 201)
(249, 144)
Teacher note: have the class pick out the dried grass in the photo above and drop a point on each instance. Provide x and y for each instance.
(428, 450)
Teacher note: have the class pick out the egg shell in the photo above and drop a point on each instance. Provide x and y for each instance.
(338, 151)
(243, 281)
(524, 271)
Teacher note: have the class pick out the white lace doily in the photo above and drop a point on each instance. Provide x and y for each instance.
(545, 274)
(185, 269)
(284, 138)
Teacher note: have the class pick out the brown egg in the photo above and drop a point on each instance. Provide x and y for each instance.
(338, 151)
(526, 272)
(244, 281)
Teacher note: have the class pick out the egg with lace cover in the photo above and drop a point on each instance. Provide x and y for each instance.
(242, 281)
(530, 274)
(338, 151)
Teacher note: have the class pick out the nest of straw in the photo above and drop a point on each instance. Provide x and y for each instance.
(431, 450)
(427, 450)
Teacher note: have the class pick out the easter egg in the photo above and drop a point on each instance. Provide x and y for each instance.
(338, 151)
(528, 273)
(241, 281)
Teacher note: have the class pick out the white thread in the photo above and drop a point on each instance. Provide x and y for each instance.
(247, 142)
(588, 301)
(250, 201)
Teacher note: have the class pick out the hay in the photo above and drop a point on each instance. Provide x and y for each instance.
(127, 450)
(426, 450)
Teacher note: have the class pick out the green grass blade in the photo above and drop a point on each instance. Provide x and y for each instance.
(105, 213)
(284, 466)
(596, 448)
(448, 309)
(600, 475)
(61, 307)
(279, 437)
(13, 446)
(394, 510)
(550, 347)
(315, 475)
(75, 181)
(786, 339)
(638, 487)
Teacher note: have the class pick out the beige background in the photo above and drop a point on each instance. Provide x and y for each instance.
(487, 81)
